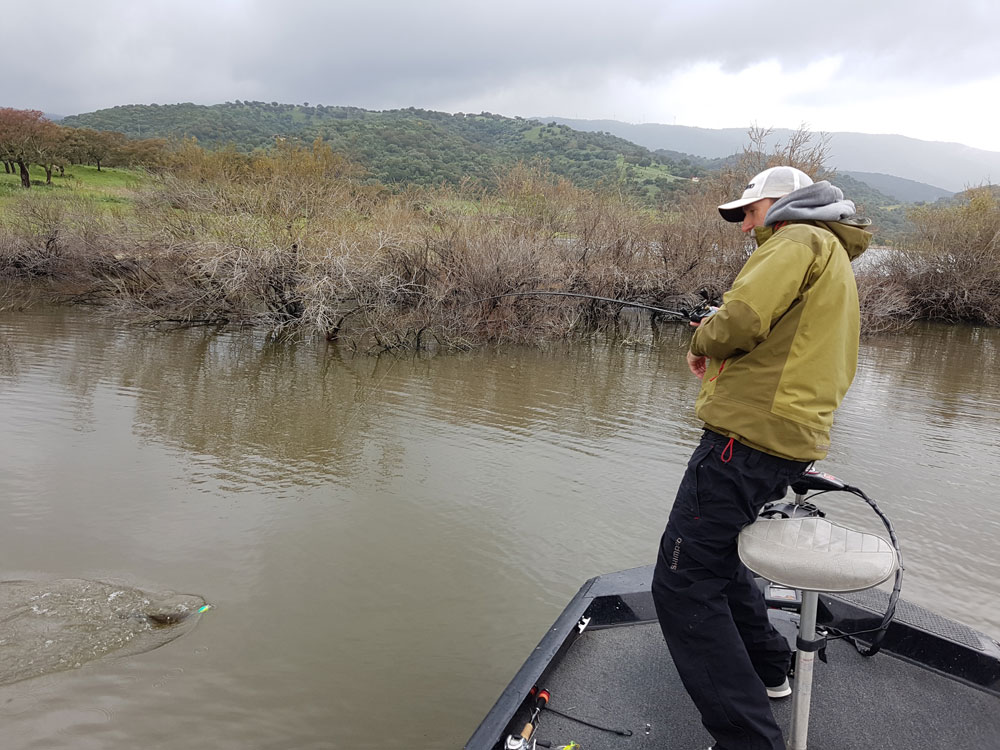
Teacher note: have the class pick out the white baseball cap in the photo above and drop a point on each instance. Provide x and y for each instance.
(775, 182)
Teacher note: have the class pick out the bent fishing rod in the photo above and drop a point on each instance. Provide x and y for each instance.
(694, 314)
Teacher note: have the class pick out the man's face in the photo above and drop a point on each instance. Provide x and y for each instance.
(754, 213)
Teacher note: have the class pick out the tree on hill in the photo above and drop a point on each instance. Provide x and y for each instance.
(25, 136)
(102, 145)
(53, 149)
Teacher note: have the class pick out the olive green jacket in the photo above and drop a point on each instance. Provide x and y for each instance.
(783, 346)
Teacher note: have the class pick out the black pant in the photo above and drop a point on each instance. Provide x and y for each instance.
(712, 614)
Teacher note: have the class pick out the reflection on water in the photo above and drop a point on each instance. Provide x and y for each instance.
(385, 540)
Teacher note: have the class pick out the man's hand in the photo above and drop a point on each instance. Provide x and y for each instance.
(697, 364)
(712, 310)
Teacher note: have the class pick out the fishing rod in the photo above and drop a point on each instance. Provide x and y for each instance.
(694, 314)
(520, 741)
(523, 740)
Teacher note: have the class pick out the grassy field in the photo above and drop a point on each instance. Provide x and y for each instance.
(108, 186)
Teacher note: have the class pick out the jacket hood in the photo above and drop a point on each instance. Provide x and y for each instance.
(850, 232)
(820, 201)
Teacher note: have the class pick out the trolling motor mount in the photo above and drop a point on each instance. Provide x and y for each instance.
(810, 480)
(782, 509)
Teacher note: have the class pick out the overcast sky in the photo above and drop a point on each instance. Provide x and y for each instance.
(922, 68)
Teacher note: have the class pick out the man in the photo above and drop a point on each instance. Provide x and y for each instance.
(775, 361)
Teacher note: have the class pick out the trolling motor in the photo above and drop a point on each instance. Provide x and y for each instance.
(794, 546)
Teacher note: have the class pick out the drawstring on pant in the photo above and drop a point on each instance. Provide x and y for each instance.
(727, 452)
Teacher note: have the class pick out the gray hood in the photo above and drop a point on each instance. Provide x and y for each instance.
(820, 201)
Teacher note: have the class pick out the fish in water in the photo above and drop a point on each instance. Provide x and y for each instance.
(54, 625)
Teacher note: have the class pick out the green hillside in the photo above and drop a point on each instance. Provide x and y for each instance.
(410, 146)
(422, 147)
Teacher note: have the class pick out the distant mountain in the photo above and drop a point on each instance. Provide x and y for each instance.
(704, 142)
(903, 190)
(951, 166)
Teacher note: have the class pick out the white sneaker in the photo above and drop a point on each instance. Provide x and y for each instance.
(779, 691)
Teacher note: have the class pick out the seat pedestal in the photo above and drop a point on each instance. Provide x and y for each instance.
(804, 663)
(812, 554)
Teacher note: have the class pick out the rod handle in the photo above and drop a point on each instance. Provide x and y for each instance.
(528, 730)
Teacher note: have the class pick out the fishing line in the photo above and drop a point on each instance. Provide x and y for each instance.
(693, 314)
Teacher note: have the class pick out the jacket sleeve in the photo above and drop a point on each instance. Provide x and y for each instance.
(770, 282)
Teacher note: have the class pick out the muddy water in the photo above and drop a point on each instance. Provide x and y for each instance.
(383, 541)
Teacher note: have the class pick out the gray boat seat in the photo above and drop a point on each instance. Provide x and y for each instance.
(813, 554)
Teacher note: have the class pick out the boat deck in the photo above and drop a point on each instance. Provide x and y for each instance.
(623, 677)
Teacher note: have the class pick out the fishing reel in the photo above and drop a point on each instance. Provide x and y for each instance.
(699, 312)
(524, 741)
(707, 305)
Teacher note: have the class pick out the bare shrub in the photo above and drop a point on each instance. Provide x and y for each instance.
(296, 240)
(698, 249)
(538, 200)
(57, 239)
(225, 236)
(886, 303)
(803, 150)
(955, 273)
(36, 247)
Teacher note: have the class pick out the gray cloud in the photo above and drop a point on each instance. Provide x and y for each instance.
(380, 54)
